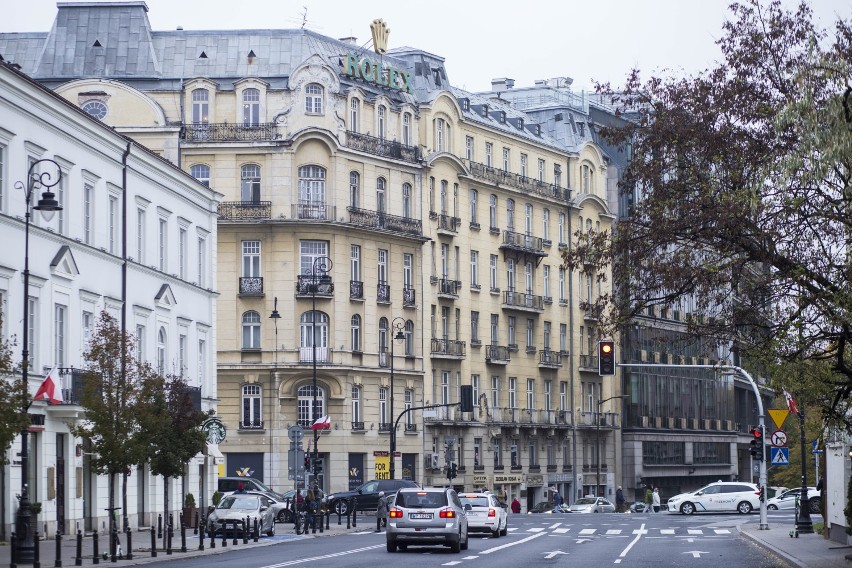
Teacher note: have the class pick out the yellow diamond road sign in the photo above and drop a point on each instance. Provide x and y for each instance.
(779, 415)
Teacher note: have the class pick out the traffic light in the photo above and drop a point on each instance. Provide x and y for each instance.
(452, 471)
(317, 466)
(606, 358)
(756, 449)
(307, 462)
(761, 493)
(466, 403)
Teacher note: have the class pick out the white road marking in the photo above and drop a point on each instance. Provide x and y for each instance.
(453, 563)
(549, 555)
(588, 531)
(535, 529)
(324, 556)
(561, 531)
(501, 547)
(696, 553)
(553, 526)
(639, 532)
(512, 529)
(470, 557)
(582, 540)
(695, 531)
(613, 531)
(667, 531)
(722, 531)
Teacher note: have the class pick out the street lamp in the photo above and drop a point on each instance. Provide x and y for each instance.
(25, 546)
(319, 277)
(273, 378)
(397, 328)
(598, 440)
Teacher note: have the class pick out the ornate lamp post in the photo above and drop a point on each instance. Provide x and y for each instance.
(398, 330)
(25, 546)
(319, 277)
(598, 442)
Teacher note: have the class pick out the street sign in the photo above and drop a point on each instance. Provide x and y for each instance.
(295, 433)
(778, 438)
(779, 456)
(779, 415)
(815, 447)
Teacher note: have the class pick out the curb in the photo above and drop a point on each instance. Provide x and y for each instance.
(778, 552)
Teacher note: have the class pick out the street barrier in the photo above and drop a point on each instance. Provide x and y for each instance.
(95, 558)
(78, 560)
(153, 543)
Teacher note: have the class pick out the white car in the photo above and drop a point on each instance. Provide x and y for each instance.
(718, 497)
(787, 500)
(592, 505)
(485, 514)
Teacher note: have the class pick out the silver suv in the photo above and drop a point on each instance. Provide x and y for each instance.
(434, 515)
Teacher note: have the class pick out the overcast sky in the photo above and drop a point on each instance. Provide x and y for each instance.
(599, 40)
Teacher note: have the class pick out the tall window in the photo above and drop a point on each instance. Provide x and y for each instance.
(356, 405)
(251, 330)
(408, 403)
(524, 165)
(88, 213)
(561, 284)
(163, 243)
(308, 338)
(354, 189)
(383, 335)
(251, 107)
(468, 147)
(305, 396)
(528, 219)
(32, 326)
(312, 190)
(495, 392)
(476, 388)
(473, 201)
(474, 327)
(557, 175)
(548, 394)
(382, 266)
(200, 106)
(162, 342)
(546, 278)
(201, 172)
(474, 269)
(181, 354)
(380, 195)
(355, 262)
(492, 272)
(510, 214)
(445, 387)
(505, 159)
(251, 417)
(88, 325)
(140, 343)
(510, 331)
(439, 135)
(546, 337)
(182, 252)
(545, 219)
(406, 200)
(563, 338)
(586, 178)
(406, 129)
(530, 333)
(60, 334)
(354, 114)
(60, 194)
(563, 395)
(561, 228)
(113, 224)
(309, 252)
(356, 333)
(510, 274)
(513, 453)
(528, 277)
(140, 236)
(489, 150)
(495, 329)
(408, 271)
(497, 447)
(409, 338)
(492, 211)
(251, 259)
(202, 261)
(383, 408)
(313, 98)
(381, 122)
(250, 183)
(202, 361)
(540, 170)
(530, 394)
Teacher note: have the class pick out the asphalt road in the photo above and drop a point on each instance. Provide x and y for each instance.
(671, 540)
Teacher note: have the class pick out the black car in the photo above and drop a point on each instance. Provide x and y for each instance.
(367, 496)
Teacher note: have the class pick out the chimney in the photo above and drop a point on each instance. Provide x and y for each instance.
(501, 84)
(351, 40)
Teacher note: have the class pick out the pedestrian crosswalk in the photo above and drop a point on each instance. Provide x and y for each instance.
(556, 529)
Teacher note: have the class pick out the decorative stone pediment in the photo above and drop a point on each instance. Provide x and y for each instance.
(63, 264)
(165, 298)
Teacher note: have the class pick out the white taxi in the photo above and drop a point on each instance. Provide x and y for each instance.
(485, 514)
(718, 497)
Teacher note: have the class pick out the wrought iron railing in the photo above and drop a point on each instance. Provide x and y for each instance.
(589, 362)
(385, 426)
(526, 243)
(314, 211)
(409, 297)
(245, 210)
(523, 183)
(496, 354)
(251, 285)
(383, 293)
(452, 347)
(550, 358)
(251, 425)
(448, 223)
(356, 426)
(356, 290)
(306, 354)
(227, 132)
(380, 220)
(382, 147)
(308, 285)
(522, 300)
(448, 287)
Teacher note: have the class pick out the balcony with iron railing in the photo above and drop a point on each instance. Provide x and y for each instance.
(530, 417)
(448, 289)
(383, 293)
(409, 297)
(497, 354)
(245, 210)
(411, 427)
(308, 285)
(313, 211)
(518, 181)
(589, 363)
(358, 426)
(549, 359)
(253, 424)
(324, 355)
(385, 221)
(73, 383)
(448, 348)
(447, 224)
(604, 420)
(526, 244)
(251, 286)
(228, 132)
(523, 301)
(356, 290)
(382, 147)
(385, 426)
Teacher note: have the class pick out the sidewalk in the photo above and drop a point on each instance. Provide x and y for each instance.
(142, 545)
(807, 551)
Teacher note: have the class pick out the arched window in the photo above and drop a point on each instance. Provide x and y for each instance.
(588, 226)
(356, 333)
(354, 114)
(492, 211)
(354, 189)
(311, 192)
(381, 122)
(162, 342)
(380, 195)
(250, 417)
(201, 172)
(406, 200)
(251, 107)
(406, 129)
(586, 180)
(250, 183)
(313, 330)
(313, 98)
(251, 330)
(200, 106)
(305, 396)
(384, 423)
(409, 338)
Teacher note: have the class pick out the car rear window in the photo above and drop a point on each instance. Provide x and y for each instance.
(475, 501)
(421, 499)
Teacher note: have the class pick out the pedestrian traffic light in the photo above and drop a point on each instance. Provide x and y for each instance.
(756, 446)
(761, 493)
(317, 466)
(452, 471)
(307, 462)
(606, 358)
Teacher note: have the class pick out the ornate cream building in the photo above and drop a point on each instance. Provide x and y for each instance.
(407, 232)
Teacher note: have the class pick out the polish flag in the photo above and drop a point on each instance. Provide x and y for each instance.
(323, 423)
(791, 403)
(50, 389)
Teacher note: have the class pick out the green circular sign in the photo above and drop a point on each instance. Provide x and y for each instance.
(214, 430)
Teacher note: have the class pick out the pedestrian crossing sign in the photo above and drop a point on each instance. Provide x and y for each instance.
(779, 456)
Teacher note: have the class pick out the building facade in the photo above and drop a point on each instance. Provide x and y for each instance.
(125, 211)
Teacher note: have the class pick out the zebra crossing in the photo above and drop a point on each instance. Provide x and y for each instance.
(559, 529)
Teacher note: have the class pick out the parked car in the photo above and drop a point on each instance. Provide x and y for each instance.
(639, 507)
(281, 508)
(237, 507)
(592, 505)
(485, 514)
(367, 495)
(230, 484)
(717, 497)
(787, 500)
(545, 507)
(427, 516)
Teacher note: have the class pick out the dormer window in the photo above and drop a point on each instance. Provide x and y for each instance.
(465, 104)
(538, 130)
(520, 124)
(485, 111)
(502, 117)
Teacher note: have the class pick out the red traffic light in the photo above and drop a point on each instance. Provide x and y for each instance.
(757, 433)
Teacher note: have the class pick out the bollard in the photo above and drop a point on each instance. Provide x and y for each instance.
(95, 559)
(353, 503)
(327, 519)
(224, 534)
(245, 530)
(201, 527)
(212, 534)
(129, 555)
(348, 519)
(78, 560)
(182, 534)
(168, 535)
(36, 548)
(58, 561)
(159, 525)
(338, 515)
(153, 543)
(195, 529)
(321, 516)
(257, 530)
(313, 524)
(234, 525)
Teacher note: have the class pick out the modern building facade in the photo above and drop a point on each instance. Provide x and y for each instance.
(408, 233)
(126, 211)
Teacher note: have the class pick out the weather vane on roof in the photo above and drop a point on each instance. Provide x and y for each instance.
(381, 31)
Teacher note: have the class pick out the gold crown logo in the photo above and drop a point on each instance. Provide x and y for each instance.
(380, 31)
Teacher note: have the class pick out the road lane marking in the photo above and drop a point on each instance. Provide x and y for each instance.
(471, 557)
(587, 531)
(667, 531)
(535, 529)
(512, 529)
(324, 556)
(613, 531)
(695, 531)
(639, 532)
(696, 553)
(453, 563)
(561, 531)
(722, 531)
(549, 555)
(496, 548)
(553, 526)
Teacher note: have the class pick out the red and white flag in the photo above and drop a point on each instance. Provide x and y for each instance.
(791, 403)
(323, 423)
(50, 389)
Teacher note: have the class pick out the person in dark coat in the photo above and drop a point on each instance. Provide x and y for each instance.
(619, 500)
(516, 506)
(381, 512)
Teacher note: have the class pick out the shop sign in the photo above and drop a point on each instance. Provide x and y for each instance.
(510, 479)
(480, 480)
(535, 480)
(366, 69)
(559, 478)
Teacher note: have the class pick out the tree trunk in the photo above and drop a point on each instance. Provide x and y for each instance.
(165, 508)
(111, 511)
(126, 522)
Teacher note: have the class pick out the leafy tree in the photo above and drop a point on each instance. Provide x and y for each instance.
(14, 397)
(110, 393)
(743, 178)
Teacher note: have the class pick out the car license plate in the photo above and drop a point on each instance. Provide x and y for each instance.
(420, 516)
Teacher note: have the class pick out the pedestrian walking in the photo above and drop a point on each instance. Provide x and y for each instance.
(501, 496)
(309, 508)
(381, 512)
(619, 500)
(656, 499)
(516, 506)
(557, 499)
